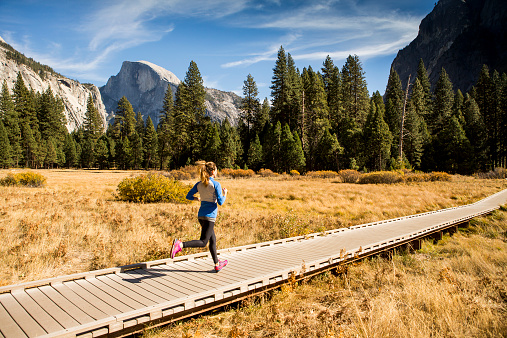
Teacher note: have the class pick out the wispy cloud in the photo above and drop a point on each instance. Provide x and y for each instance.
(335, 28)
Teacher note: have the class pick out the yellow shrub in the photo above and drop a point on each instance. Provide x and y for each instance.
(349, 175)
(152, 188)
(440, 176)
(294, 173)
(386, 177)
(266, 173)
(237, 173)
(26, 179)
(417, 177)
(322, 174)
(179, 175)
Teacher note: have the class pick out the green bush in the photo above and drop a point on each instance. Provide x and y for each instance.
(379, 177)
(25, 179)
(152, 188)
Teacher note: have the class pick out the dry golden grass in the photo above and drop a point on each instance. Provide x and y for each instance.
(74, 223)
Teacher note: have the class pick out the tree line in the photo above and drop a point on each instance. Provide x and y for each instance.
(316, 120)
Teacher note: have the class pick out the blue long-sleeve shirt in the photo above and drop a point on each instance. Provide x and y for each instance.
(211, 197)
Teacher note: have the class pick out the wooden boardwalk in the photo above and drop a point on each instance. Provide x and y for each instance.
(119, 301)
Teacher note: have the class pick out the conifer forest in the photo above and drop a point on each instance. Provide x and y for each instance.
(316, 120)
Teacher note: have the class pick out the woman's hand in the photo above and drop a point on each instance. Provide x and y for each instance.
(224, 191)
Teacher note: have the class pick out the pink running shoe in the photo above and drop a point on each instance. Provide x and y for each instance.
(175, 248)
(221, 265)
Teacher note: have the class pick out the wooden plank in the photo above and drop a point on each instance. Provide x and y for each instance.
(93, 299)
(154, 282)
(172, 283)
(39, 314)
(79, 302)
(133, 303)
(24, 320)
(66, 305)
(126, 291)
(141, 288)
(50, 307)
(178, 279)
(103, 296)
(9, 327)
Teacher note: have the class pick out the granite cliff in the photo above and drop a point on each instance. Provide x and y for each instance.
(460, 36)
(144, 84)
(74, 94)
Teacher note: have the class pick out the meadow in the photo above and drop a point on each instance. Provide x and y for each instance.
(454, 288)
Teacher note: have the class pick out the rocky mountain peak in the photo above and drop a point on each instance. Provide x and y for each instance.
(144, 84)
(460, 36)
(73, 94)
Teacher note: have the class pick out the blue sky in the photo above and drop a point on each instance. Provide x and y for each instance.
(228, 39)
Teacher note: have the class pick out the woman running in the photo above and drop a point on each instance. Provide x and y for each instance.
(211, 194)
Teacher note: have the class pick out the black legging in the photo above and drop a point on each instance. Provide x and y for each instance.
(207, 234)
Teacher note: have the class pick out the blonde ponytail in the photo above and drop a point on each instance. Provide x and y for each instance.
(206, 171)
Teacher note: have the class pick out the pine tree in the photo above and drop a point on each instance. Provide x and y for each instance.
(293, 159)
(51, 118)
(189, 117)
(136, 143)
(455, 147)
(29, 145)
(377, 139)
(355, 102)
(228, 149)
(92, 124)
(24, 102)
(355, 94)
(332, 83)
(250, 103)
(125, 154)
(444, 99)
(150, 143)
(212, 144)
(457, 107)
(416, 131)
(294, 95)
(262, 117)
(140, 127)
(164, 128)
(271, 147)
(329, 151)
(255, 154)
(69, 147)
(422, 76)
(476, 133)
(9, 116)
(5, 148)
(279, 91)
(51, 154)
(124, 120)
(316, 113)
(102, 152)
(394, 103)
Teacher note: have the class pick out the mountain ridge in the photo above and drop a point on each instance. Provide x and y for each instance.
(459, 36)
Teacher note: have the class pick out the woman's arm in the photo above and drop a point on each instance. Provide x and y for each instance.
(192, 192)
(221, 193)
